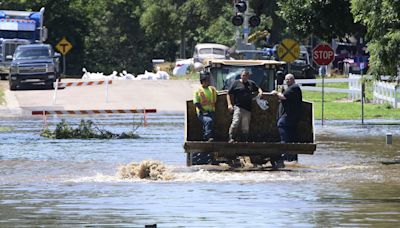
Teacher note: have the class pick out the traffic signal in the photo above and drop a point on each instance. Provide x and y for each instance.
(254, 21)
(241, 6)
(237, 20)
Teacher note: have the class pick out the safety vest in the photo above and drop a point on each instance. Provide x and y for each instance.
(207, 97)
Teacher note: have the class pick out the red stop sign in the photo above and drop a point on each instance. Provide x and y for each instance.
(323, 54)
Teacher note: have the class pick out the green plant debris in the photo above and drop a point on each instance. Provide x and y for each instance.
(5, 129)
(86, 130)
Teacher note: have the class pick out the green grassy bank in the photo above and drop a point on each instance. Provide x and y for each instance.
(338, 106)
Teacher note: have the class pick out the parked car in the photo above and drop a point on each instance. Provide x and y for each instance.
(302, 68)
(34, 64)
(351, 57)
(207, 51)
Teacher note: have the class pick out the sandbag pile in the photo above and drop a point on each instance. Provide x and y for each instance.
(124, 75)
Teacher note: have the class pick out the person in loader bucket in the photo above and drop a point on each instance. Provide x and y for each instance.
(205, 98)
(240, 94)
(289, 115)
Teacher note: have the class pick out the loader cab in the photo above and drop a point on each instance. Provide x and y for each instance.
(262, 72)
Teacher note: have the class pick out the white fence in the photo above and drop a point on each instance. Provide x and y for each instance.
(387, 92)
(382, 91)
(354, 82)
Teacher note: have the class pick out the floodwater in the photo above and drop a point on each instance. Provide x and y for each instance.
(77, 183)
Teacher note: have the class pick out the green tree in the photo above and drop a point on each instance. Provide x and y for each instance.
(183, 23)
(272, 21)
(325, 19)
(115, 40)
(382, 19)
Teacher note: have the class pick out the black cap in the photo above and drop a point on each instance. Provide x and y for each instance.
(204, 75)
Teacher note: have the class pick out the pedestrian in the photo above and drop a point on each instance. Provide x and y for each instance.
(289, 113)
(205, 98)
(239, 99)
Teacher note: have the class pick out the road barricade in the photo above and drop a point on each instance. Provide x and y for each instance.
(58, 85)
(91, 112)
(44, 113)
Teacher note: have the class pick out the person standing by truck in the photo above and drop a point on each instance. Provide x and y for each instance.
(205, 98)
(240, 94)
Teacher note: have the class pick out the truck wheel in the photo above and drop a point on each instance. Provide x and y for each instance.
(49, 85)
(13, 86)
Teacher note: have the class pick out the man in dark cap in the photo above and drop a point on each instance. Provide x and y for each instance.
(205, 98)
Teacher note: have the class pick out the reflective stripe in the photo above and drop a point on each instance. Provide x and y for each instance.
(208, 104)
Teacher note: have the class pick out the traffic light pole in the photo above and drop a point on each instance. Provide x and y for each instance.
(246, 29)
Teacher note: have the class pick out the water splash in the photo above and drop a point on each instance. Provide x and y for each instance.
(147, 169)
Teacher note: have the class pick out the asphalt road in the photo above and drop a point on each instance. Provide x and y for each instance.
(163, 95)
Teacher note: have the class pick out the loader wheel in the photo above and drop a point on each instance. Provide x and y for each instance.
(258, 160)
(199, 159)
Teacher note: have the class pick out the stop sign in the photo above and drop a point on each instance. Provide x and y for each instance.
(323, 54)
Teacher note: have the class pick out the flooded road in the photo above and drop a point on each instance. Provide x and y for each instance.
(75, 183)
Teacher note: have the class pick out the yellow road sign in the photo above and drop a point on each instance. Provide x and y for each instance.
(64, 46)
(288, 50)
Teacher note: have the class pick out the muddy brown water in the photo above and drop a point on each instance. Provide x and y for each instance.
(77, 183)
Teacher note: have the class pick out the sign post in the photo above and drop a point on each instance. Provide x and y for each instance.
(323, 55)
(64, 46)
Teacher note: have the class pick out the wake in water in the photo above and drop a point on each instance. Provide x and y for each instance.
(157, 171)
(147, 169)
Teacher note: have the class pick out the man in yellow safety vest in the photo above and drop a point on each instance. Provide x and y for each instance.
(205, 98)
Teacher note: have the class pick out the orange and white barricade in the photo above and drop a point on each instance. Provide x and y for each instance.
(58, 84)
(44, 113)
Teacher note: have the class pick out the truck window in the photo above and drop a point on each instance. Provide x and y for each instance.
(32, 54)
(224, 76)
(215, 51)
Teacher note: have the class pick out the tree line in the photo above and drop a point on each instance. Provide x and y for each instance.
(128, 34)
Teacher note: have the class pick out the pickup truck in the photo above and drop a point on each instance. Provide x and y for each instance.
(34, 64)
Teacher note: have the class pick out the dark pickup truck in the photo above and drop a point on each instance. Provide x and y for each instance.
(34, 64)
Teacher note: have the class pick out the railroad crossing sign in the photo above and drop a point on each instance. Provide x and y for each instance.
(64, 46)
(323, 54)
(288, 50)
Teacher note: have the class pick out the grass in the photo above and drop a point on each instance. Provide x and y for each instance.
(338, 107)
(2, 98)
